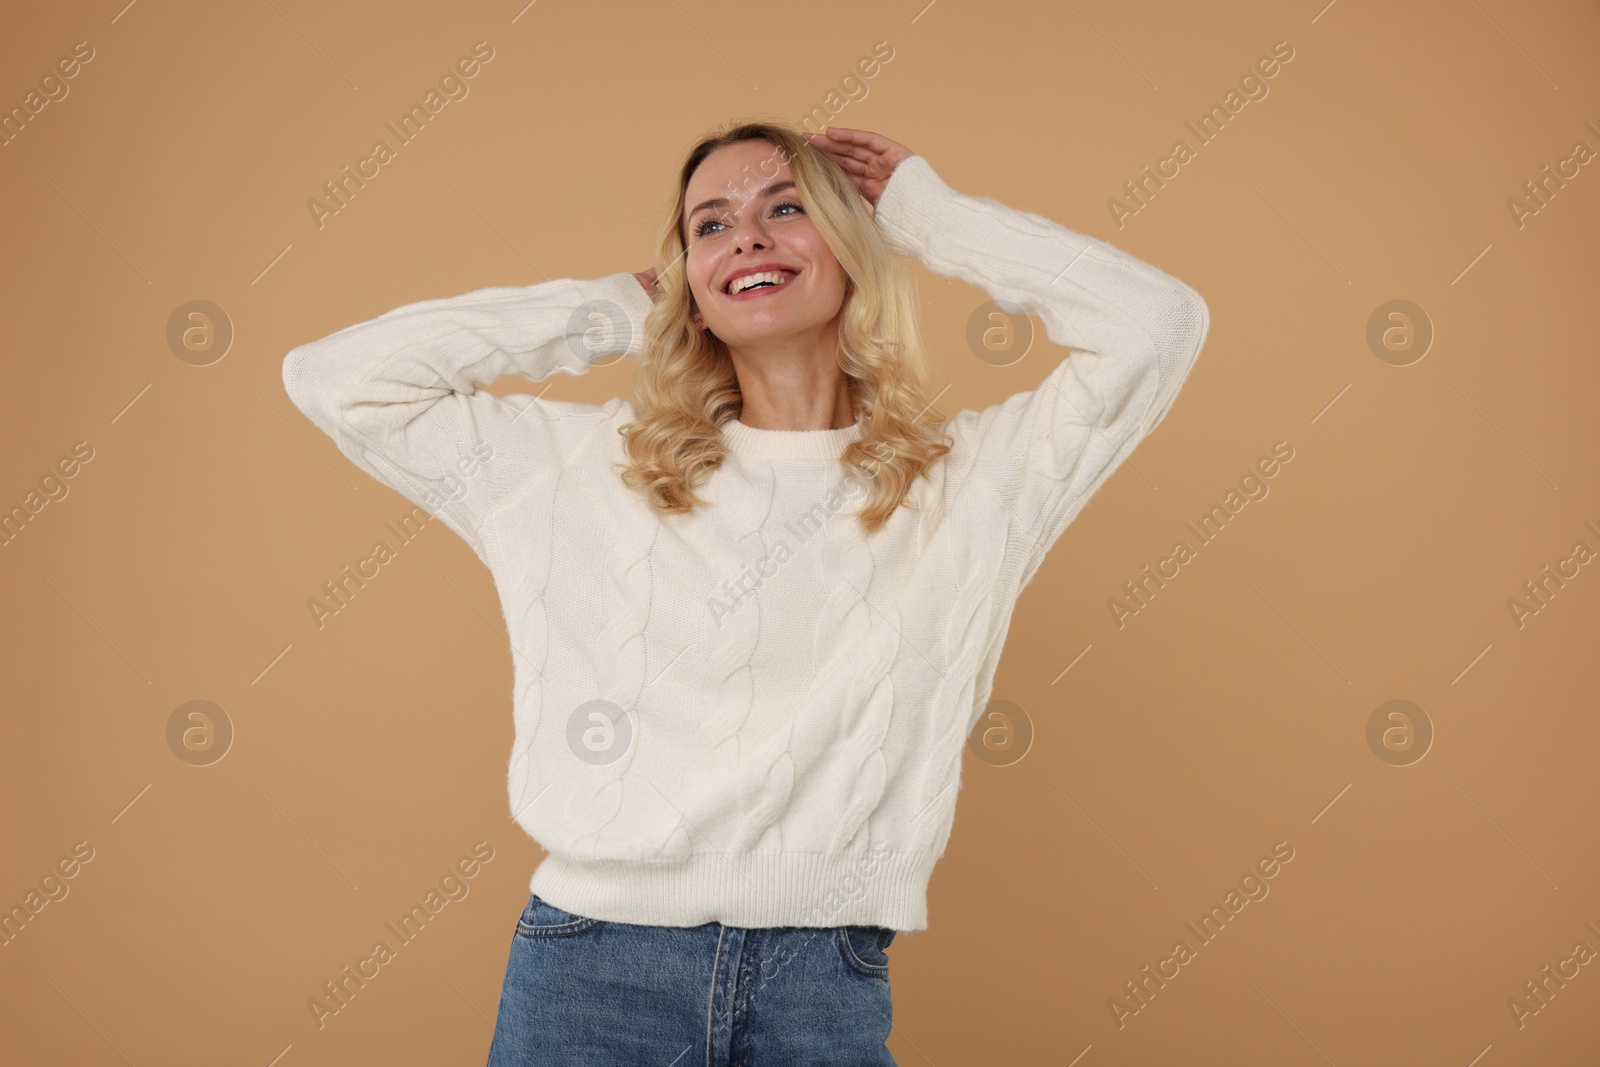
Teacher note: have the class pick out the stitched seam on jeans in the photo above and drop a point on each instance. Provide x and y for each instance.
(856, 963)
(564, 930)
(751, 953)
(711, 1001)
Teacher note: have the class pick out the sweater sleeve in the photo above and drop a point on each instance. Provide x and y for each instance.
(398, 395)
(1134, 332)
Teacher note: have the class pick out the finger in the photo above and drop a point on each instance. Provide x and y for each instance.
(829, 147)
(840, 139)
(831, 138)
(845, 133)
(853, 153)
(850, 163)
(875, 148)
(830, 144)
(834, 151)
(862, 140)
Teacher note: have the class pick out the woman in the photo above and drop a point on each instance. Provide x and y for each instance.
(755, 617)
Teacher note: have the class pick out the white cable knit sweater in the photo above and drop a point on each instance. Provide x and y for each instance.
(752, 714)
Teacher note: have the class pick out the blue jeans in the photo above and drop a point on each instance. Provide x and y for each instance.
(581, 991)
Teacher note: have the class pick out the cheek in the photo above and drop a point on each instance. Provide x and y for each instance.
(824, 262)
(699, 281)
(833, 273)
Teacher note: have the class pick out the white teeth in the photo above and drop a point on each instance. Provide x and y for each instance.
(738, 285)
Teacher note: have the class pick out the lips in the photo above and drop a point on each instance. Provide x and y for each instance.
(759, 268)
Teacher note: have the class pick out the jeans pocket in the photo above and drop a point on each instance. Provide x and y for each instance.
(543, 919)
(864, 949)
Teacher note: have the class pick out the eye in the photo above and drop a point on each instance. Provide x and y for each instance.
(700, 227)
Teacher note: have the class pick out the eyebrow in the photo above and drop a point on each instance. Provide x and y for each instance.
(722, 201)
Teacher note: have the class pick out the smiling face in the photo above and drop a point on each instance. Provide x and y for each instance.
(755, 220)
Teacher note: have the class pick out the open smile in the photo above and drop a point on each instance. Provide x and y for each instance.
(759, 284)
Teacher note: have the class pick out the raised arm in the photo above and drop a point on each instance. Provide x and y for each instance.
(1134, 332)
(398, 395)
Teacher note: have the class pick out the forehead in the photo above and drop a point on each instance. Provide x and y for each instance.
(737, 171)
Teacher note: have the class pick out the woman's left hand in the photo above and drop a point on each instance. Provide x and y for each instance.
(867, 158)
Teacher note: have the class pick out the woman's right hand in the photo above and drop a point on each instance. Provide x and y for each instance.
(647, 278)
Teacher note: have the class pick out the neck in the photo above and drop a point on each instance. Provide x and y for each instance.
(793, 382)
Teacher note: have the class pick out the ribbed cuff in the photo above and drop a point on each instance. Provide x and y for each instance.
(624, 290)
(871, 888)
(911, 205)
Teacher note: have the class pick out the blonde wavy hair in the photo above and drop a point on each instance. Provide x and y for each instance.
(685, 386)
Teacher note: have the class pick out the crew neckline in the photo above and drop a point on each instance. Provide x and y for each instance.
(809, 445)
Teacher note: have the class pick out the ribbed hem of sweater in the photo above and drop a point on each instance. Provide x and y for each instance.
(812, 889)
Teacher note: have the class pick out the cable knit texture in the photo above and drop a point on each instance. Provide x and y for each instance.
(754, 713)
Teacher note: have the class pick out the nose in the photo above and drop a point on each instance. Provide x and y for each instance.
(749, 231)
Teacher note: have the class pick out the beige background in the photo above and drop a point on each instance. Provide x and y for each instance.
(1230, 714)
